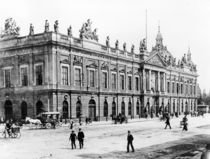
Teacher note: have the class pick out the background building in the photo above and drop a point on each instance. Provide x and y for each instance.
(79, 77)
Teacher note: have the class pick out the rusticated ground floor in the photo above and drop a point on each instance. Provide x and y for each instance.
(97, 106)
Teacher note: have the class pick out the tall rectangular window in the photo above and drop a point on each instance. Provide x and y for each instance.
(186, 92)
(129, 83)
(114, 81)
(92, 78)
(173, 88)
(194, 90)
(181, 88)
(104, 80)
(137, 83)
(147, 80)
(161, 82)
(122, 82)
(65, 75)
(7, 74)
(24, 76)
(168, 87)
(39, 74)
(77, 77)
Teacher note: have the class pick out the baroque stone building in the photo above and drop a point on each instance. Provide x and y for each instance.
(79, 77)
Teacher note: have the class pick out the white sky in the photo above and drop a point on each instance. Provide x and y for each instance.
(183, 23)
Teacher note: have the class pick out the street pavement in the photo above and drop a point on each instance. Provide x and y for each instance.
(108, 140)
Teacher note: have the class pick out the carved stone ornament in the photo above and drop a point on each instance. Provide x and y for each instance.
(104, 66)
(69, 31)
(77, 60)
(10, 29)
(31, 29)
(56, 26)
(87, 33)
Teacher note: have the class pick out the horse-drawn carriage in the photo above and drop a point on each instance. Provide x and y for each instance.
(45, 120)
(49, 119)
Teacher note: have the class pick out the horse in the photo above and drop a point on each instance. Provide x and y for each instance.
(35, 122)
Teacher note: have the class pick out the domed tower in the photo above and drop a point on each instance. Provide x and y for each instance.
(159, 38)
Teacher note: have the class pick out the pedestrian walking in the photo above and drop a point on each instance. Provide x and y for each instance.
(168, 122)
(81, 137)
(73, 138)
(71, 124)
(206, 154)
(130, 141)
(184, 120)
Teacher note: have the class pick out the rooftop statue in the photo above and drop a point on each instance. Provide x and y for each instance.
(31, 29)
(116, 44)
(56, 26)
(87, 33)
(107, 41)
(124, 46)
(69, 31)
(143, 46)
(10, 28)
(184, 59)
(46, 27)
(132, 48)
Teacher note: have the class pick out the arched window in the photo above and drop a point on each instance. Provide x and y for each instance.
(129, 108)
(113, 108)
(105, 109)
(23, 110)
(137, 108)
(92, 109)
(78, 109)
(123, 108)
(39, 107)
(65, 110)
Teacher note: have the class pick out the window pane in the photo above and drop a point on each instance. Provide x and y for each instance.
(122, 82)
(92, 78)
(137, 83)
(24, 76)
(129, 83)
(39, 75)
(77, 79)
(113, 81)
(104, 79)
(7, 78)
(64, 75)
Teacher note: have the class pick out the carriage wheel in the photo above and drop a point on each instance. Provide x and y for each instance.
(18, 135)
(4, 134)
(48, 125)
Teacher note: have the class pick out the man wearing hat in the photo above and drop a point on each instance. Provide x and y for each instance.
(130, 141)
(81, 138)
(73, 137)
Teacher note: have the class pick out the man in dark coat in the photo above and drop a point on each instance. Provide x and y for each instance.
(73, 137)
(185, 123)
(130, 141)
(80, 137)
(168, 122)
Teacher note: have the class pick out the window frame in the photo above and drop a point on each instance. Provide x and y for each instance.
(68, 79)
(27, 70)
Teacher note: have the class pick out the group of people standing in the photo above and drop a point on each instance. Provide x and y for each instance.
(80, 136)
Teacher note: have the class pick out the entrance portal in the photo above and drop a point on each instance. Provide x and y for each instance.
(65, 110)
(92, 109)
(39, 107)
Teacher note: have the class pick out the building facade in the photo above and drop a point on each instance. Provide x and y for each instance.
(79, 77)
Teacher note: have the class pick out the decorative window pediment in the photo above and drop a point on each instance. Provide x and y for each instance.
(122, 71)
(114, 69)
(93, 65)
(65, 61)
